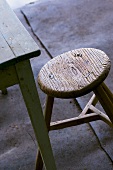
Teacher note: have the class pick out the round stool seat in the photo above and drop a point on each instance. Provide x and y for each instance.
(74, 73)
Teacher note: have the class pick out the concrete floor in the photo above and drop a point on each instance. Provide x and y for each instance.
(84, 147)
(17, 4)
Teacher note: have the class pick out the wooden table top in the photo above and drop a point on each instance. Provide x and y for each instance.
(15, 42)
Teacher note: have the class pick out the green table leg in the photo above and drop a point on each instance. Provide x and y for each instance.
(30, 95)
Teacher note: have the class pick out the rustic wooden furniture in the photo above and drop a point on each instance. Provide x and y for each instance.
(16, 48)
(74, 74)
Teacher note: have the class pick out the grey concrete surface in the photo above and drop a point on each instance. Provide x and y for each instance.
(67, 25)
(84, 147)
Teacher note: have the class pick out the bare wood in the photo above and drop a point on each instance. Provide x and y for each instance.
(92, 101)
(74, 121)
(47, 116)
(74, 73)
(109, 93)
(83, 118)
(105, 101)
(103, 117)
(48, 110)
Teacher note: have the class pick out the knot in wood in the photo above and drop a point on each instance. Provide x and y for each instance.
(78, 73)
(51, 76)
(78, 55)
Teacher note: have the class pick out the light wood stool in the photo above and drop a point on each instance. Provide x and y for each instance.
(74, 74)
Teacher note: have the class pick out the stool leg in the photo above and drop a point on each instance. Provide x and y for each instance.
(109, 93)
(105, 97)
(47, 115)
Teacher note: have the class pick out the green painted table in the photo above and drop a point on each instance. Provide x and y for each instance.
(16, 48)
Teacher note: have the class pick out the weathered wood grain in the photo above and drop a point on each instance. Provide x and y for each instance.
(74, 73)
(14, 36)
(74, 121)
(105, 98)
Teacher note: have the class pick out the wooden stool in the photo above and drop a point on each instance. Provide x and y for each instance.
(74, 74)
